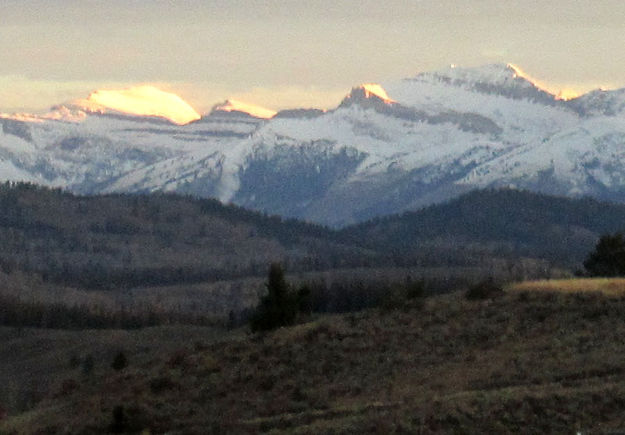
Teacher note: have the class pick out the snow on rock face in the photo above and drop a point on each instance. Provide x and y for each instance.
(240, 108)
(368, 94)
(299, 113)
(139, 101)
(506, 80)
(440, 134)
(494, 74)
(9, 171)
(374, 89)
(600, 102)
(500, 93)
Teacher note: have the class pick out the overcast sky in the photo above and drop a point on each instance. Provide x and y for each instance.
(287, 53)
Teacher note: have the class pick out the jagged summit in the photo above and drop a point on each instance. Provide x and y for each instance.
(374, 89)
(137, 101)
(239, 108)
(507, 80)
(501, 75)
(497, 73)
(367, 94)
(384, 150)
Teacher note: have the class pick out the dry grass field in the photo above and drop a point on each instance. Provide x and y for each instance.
(525, 361)
(606, 286)
(35, 362)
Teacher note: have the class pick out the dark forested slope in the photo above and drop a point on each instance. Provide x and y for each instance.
(122, 241)
(503, 222)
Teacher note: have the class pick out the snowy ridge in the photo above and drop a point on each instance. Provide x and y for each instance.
(386, 148)
(242, 109)
(503, 75)
(139, 101)
(601, 102)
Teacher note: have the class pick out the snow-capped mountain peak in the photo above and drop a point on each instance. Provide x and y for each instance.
(562, 94)
(440, 134)
(57, 113)
(137, 101)
(497, 73)
(507, 80)
(237, 107)
(375, 90)
(368, 94)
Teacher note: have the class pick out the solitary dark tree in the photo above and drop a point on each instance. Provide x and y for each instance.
(120, 361)
(119, 420)
(279, 307)
(608, 258)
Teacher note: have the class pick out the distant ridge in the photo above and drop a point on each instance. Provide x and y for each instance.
(386, 148)
(502, 221)
(473, 230)
(239, 108)
(139, 101)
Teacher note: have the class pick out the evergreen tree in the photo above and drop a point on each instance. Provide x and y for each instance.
(608, 258)
(120, 361)
(279, 307)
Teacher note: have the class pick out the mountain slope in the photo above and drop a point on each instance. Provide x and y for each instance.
(524, 362)
(138, 101)
(500, 222)
(135, 240)
(125, 241)
(385, 149)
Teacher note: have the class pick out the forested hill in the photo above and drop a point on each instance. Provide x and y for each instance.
(503, 222)
(128, 240)
(124, 241)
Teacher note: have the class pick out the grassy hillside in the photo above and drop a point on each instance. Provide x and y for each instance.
(503, 223)
(607, 286)
(531, 362)
(35, 362)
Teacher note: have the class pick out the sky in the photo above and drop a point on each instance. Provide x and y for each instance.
(292, 53)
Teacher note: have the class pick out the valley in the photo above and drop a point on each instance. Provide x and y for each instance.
(429, 229)
(171, 281)
(322, 217)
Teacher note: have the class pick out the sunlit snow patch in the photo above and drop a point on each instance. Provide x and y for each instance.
(140, 101)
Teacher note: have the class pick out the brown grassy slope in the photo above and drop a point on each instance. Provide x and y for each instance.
(34, 363)
(607, 286)
(530, 362)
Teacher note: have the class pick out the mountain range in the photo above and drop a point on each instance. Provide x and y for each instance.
(385, 149)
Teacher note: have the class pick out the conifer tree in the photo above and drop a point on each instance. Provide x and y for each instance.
(120, 361)
(279, 307)
(608, 258)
